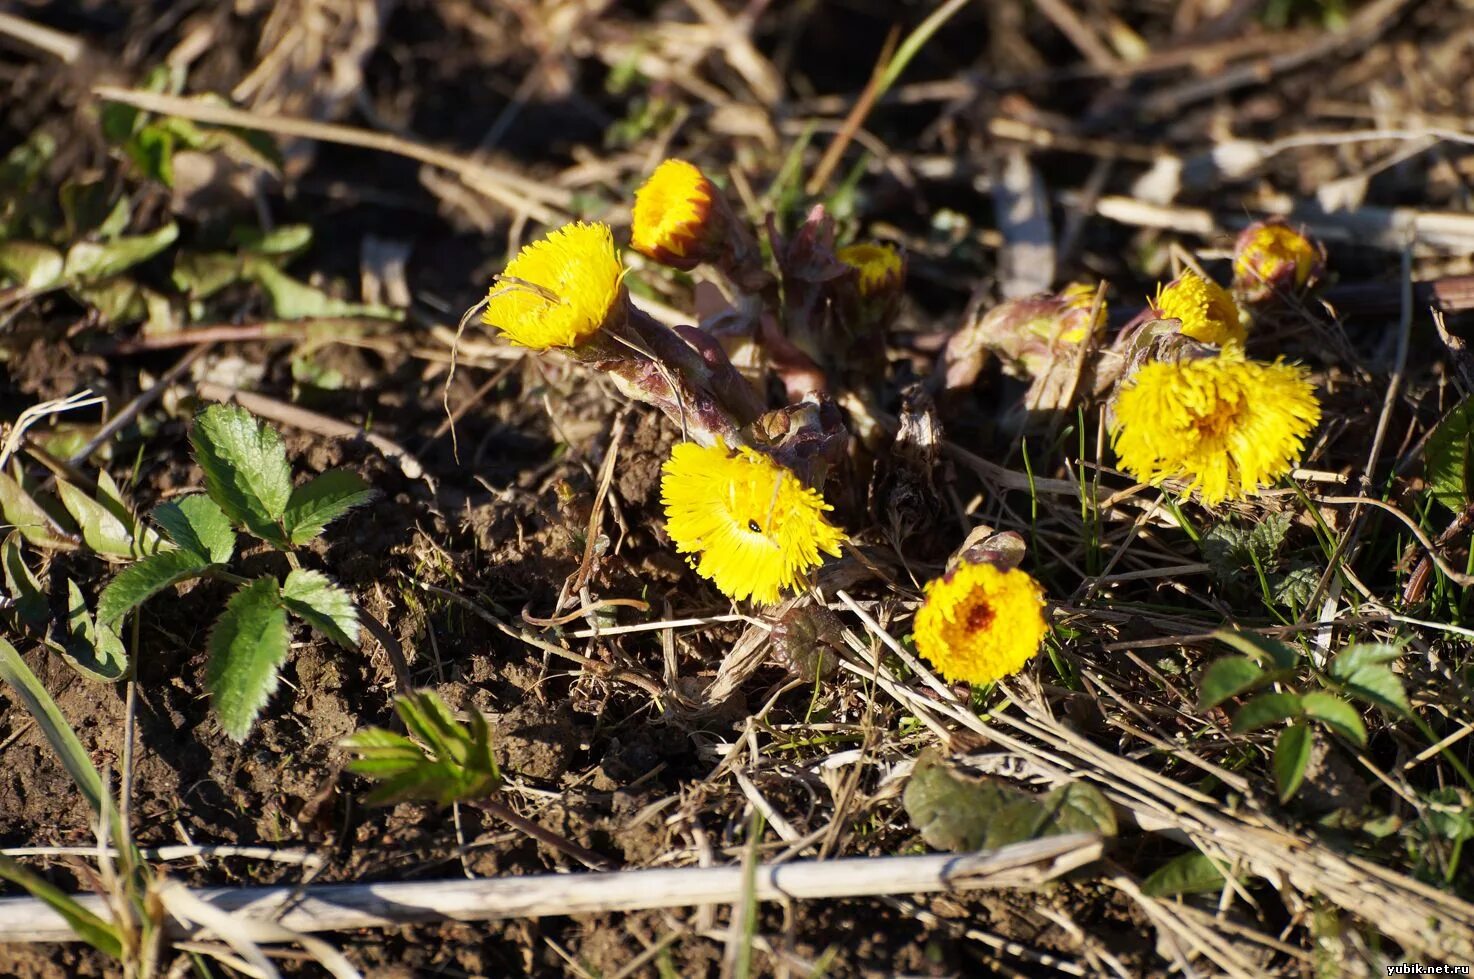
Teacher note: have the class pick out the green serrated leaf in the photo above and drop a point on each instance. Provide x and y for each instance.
(312, 597)
(246, 471)
(1295, 587)
(94, 651)
(21, 585)
(101, 529)
(90, 261)
(1229, 677)
(32, 266)
(1266, 536)
(58, 732)
(1191, 873)
(1335, 714)
(87, 926)
(23, 513)
(247, 646)
(1225, 548)
(1267, 709)
(144, 579)
(321, 500)
(1380, 687)
(1447, 457)
(1291, 756)
(199, 526)
(1271, 653)
(293, 300)
(1359, 655)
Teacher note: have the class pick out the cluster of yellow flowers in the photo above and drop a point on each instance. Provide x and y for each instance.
(1213, 421)
(1221, 424)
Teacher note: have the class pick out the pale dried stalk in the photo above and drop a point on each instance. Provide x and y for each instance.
(336, 907)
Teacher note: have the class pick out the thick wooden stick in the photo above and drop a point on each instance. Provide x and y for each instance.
(337, 907)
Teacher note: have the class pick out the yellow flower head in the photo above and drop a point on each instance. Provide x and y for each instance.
(1224, 425)
(673, 215)
(755, 528)
(559, 290)
(1271, 256)
(1208, 313)
(879, 267)
(980, 624)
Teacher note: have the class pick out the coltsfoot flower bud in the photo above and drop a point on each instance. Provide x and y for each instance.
(677, 218)
(1271, 258)
(1205, 309)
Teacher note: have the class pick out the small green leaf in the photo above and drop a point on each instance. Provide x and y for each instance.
(1266, 536)
(1267, 709)
(59, 733)
(1291, 756)
(1229, 677)
(1449, 813)
(1447, 457)
(23, 513)
(144, 579)
(246, 471)
(1190, 873)
(202, 274)
(110, 498)
(1077, 807)
(1380, 687)
(21, 585)
(954, 812)
(1335, 714)
(323, 605)
(248, 644)
(1361, 654)
(90, 261)
(94, 651)
(282, 241)
(32, 266)
(101, 529)
(454, 763)
(293, 300)
(1270, 652)
(87, 926)
(197, 525)
(320, 501)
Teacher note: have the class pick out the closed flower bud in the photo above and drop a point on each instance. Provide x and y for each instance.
(1271, 258)
(678, 218)
(1027, 334)
(1204, 308)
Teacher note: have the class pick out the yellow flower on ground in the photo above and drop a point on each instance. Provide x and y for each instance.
(673, 215)
(751, 525)
(879, 266)
(980, 624)
(1208, 313)
(1225, 426)
(559, 291)
(1270, 256)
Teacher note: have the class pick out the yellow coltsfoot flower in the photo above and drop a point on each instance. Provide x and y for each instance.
(879, 268)
(1225, 426)
(1272, 257)
(560, 290)
(752, 527)
(677, 217)
(1208, 313)
(980, 624)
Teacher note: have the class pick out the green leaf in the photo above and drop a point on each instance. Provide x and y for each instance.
(202, 274)
(1335, 714)
(1229, 677)
(101, 529)
(87, 926)
(293, 300)
(282, 241)
(1291, 756)
(1266, 536)
(248, 644)
(955, 812)
(1269, 652)
(21, 585)
(1267, 709)
(1363, 672)
(90, 261)
(320, 501)
(197, 525)
(110, 498)
(323, 605)
(1449, 813)
(454, 763)
(1191, 873)
(95, 652)
(26, 515)
(58, 732)
(246, 471)
(139, 582)
(1076, 807)
(1359, 655)
(1446, 457)
(1294, 588)
(32, 266)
